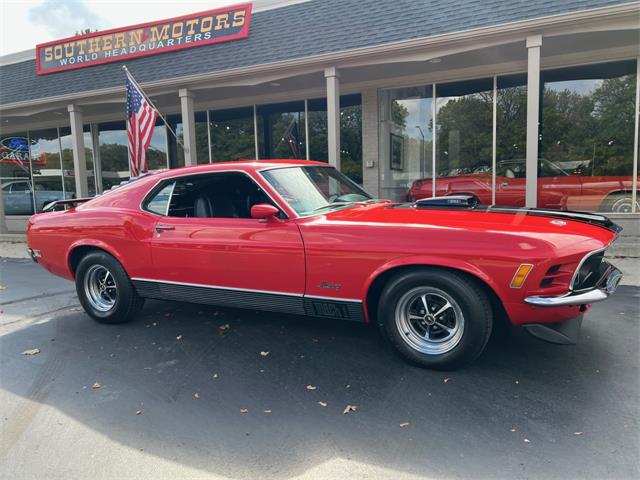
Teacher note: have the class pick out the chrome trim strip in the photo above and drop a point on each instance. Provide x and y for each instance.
(591, 296)
(216, 287)
(300, 295)
(333, 299)
(611, 281)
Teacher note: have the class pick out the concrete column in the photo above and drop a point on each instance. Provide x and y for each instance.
(333, 115)
(3, 220)
(370, 155)
(79, 157)
(534, 43)
(188, 126)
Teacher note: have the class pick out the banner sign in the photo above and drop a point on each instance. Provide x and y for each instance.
(221, 25)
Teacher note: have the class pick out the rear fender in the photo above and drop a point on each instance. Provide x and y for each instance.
(87, 242)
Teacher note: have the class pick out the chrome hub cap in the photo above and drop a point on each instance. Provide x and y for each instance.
(430, 320)
(100, 288)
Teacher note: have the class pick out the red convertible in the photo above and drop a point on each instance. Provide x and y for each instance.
(299, 237)
(557, 188)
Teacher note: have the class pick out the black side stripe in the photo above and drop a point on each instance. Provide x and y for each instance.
(272, 302)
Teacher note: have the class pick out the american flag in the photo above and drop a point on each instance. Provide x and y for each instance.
(141, 119)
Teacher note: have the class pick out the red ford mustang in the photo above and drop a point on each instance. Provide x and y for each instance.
(299, 237)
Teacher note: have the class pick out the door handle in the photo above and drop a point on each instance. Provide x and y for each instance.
(159, 228)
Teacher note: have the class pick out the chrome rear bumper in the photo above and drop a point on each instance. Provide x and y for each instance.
(605, 288)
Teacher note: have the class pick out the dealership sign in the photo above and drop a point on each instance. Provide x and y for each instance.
(203, 28)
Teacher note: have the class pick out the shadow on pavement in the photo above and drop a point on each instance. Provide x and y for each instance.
(470, 423)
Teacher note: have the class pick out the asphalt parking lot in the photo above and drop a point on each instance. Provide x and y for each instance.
(196, 392)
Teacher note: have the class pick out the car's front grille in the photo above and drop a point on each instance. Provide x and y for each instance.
(590, 272)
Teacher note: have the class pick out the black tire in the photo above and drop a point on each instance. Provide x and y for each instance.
(126, 303)
(469, 300)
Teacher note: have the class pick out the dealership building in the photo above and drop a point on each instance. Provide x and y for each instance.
(518, 102)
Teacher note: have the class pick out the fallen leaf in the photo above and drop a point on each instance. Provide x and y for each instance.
(244, 410)
(267, 411)
(447, 380)
(526, 440)
(322, 404)
(264, 354)
(577, 434)
(215, 375)
(311, 387)
(138, 412)
(349, 408)
(96, 385)
(513, 429)
(179, 337)
(33, 351)
(154, 324)
(196, 395)
(404, 424)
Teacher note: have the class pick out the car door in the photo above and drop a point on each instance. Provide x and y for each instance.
(224, 255)
(18, 199)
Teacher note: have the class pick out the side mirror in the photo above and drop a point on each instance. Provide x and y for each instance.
(264, 211)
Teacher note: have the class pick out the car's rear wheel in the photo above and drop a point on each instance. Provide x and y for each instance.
(619, 203)
(436, 318)
(105, 290)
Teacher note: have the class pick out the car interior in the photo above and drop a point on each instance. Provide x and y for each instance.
(216, 195)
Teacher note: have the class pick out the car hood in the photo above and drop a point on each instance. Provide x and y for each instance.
(561, 228)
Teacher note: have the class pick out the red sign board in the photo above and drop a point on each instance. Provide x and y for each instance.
(213, 26)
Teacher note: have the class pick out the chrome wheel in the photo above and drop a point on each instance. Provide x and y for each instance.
(623, 204)
(429, 320)
(100, 288)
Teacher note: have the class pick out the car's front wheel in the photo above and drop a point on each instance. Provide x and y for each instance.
(436, 318)
(105, 290)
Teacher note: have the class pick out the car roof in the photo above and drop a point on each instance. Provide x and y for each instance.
(244, 165)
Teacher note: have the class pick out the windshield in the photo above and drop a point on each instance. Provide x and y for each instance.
(310, 189)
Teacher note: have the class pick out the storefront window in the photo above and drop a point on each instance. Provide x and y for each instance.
(406, 143)
(232, 136)
(68, 170)
(586, 137)
(350, 134)
(464, 137)
(48, 185)
(511, 141)
(114, 152)
(114, 156)
(15, 173)
(281, 130)
(202, 140)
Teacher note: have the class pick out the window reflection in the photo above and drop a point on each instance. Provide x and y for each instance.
(587, 135)
(48, 185)
(232, 136)
(407, 142)
(15, 173)
(68, 170)
(281, 130)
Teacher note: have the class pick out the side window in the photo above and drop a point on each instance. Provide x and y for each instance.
(214, 195)
(159, 203)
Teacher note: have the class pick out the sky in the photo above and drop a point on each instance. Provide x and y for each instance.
(26, 23)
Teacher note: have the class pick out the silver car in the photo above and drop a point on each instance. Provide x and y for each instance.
(18, 198)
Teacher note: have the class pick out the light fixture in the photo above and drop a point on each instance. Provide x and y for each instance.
(521, 275)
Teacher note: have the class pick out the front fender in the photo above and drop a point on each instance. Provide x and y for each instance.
(432, 261)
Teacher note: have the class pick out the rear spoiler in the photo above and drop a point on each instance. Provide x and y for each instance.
(64, 204)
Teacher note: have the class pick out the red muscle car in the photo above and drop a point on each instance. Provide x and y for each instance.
(299, 237)
(557, 188)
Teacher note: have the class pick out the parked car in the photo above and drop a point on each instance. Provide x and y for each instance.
(557, 188)
(18, 197)
(299, 237)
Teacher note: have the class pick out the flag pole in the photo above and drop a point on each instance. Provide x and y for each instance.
(124, 67)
